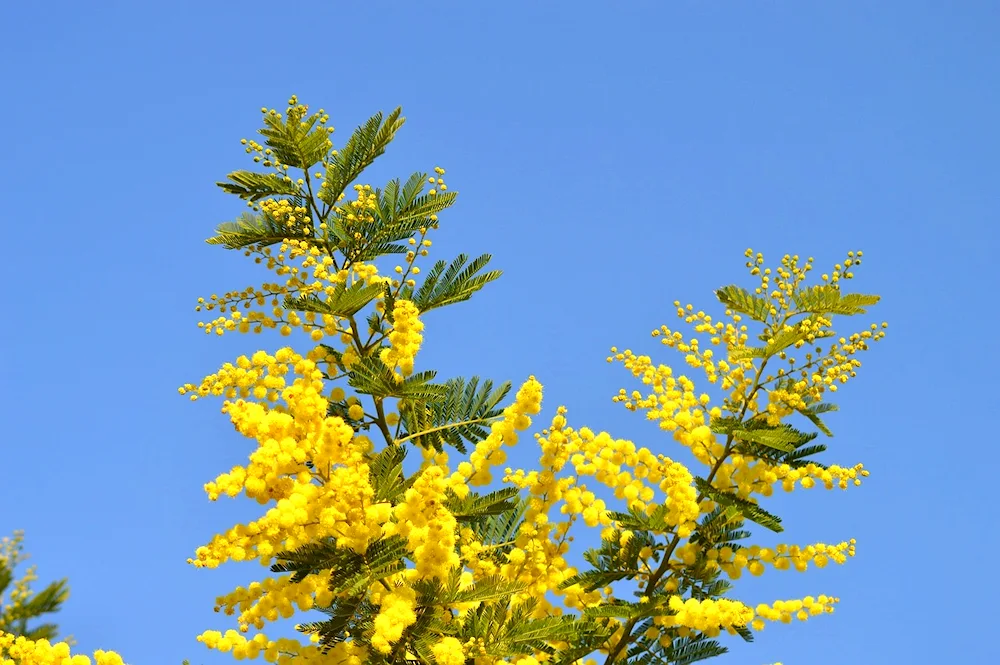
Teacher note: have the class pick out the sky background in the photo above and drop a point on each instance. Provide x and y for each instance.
(613, 157)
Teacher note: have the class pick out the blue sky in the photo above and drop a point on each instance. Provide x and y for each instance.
(613, 158)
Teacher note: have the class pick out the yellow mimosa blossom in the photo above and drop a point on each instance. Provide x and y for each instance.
(488, 452)
(706, 616)
(428, 526)
(396, 615)
(18, 650)
(787, 610)
(448, 651)
(405, 338)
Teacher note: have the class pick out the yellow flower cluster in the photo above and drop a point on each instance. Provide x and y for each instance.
(18, 650)
(427, 525)
(488, 452)
(735, 371)
(405, 339)
(745, 475)
(282, 212)
(733, 561)
(672, 403)
(449, 651)
(310, 502)
(274, 598)
(607, 460)
(786, 610)
(537, 558)
(261, 376)
(706, 616)
(316, 275)
(284, 651)
(396, 614)
(740, 374)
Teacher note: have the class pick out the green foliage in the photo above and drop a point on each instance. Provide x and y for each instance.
(446, 284)
(507, 630)
(366, 144)
(686, 650)
(253, 186)
(350, 572)
(387, 476)
(297, 141)
(608, 565)
(399, 214)
(344, 301)
(744, 507)
(249, 230)
(20, 607)
(741, 300)
(777, 444)
(474, 507)
(458, 415)
(827, 299)
(370, 376)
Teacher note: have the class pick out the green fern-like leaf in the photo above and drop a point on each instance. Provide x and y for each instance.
(474, 507)
(639, 520)
(386, 471)
(747, 509)
(685, 650)
(781, 340)
(344, 301)
(827, 299)
(297, 141)
(367, 143)
(593, 579)
(6, 577)
(621, 609)
(350, 571)
(488, 589)
(719, 527)
(741, 300)
(370, 376)
(747, 352)
(261, 230)
(782, 437)
(248, 230)
(812, 412)
(49, 599)
(450, 283)
(462, 413)
(253, 186)
(498, 530)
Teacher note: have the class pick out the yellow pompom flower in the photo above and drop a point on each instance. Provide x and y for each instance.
(404, 340)
(396, 614)
(448, 652)
(19, 650)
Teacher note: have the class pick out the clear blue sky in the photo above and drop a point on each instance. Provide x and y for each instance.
(612, 159)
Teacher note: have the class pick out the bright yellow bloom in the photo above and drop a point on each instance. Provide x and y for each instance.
(707, 616)
(405, 338)
(427, 524)
(22, 651)
(488, 452)
(396, 615)
(448, 651)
